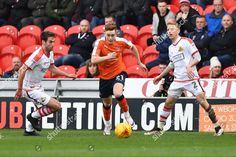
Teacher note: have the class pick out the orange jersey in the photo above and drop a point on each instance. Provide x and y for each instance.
(110, 68)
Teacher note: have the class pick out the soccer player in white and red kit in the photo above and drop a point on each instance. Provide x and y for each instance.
(29, 82)
(184, 56)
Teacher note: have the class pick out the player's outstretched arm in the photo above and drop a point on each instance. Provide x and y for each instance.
(21, 77)
(136, 54)
(56, 70)
(159, 77)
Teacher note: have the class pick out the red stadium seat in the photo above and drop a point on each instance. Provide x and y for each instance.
(60, 50)
(153, 9)
(130, 32)
(98, 30)
(208, 9)
(12, 49)
(173, 8)
(129, 58)
(230, 72)
(48, 74)
(66, 68)
(204, 72)
(140, 50)
(229, 3)
(11, 30)
(28, 36)
(73, 30)
(8, 36)
(231, 10)
(144, 33)
(59, 31)
(1, 72)
(198, 8)
(82, 72)
(154, 72)
(136, 72)
(6, 60)
(28, 51)
(150, 54)
(175, 2)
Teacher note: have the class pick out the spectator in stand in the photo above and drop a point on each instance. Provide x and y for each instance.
(80, 47)
(186, 17)
(116, 9)
(16, 64)
(4, 12)
(38, 17)
(204, 3)
(160, 18)
(92, 70)
(216, 70)
(60, 12)
(162, 44)
(18, 10)
(201, 39)
(164, 86)
(90, 10)
(138, 12)
(111, 20)
(223, 44)
(215, 17)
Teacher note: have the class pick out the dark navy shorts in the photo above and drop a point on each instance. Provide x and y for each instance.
(106, 86)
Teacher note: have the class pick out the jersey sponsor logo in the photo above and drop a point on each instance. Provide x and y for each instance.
(181, 49)
(178, 57)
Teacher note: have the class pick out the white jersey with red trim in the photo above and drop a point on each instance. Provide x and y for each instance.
(37, 65)
(181, 55)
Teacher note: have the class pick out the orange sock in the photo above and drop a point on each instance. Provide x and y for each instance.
(107, 113)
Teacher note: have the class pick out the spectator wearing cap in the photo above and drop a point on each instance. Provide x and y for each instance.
(186, 17)
(216, 69)
(223, 44)
(214, 18)
(201, 39)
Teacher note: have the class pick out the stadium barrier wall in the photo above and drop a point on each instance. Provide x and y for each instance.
(86, 113)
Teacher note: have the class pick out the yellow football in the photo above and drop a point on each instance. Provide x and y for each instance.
(123, 130)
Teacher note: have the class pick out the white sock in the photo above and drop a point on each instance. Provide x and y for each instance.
(28, 126)
(107, 122)
(161, 125)
(126, 114)
(35, 114)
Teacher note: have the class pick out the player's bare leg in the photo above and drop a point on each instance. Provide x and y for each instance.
(211, 113)
(118, 93)
(107, 114)
(170, 101)
(52, 106)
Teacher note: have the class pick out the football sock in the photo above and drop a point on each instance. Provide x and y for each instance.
(41, 112)
(163, 116)
(211, 114)
(107, 112)
(123, 103)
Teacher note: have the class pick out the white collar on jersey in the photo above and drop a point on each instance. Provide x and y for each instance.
(177, 40)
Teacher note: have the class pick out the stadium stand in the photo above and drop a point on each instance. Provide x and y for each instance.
(129, 58)
(153, 72)
(150, 54)
(98, 30)
(204, 72)
(82, 72)
(230, 72)
(73, 30)
(130, 32)
(65, 68)
(8, 36)
(145, 33)
(136, 72)
(14, 49)
(59, 31)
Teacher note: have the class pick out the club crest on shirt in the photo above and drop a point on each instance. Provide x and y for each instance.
(43, 99)
(180, 49)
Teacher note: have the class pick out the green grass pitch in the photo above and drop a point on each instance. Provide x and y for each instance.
(71, 143)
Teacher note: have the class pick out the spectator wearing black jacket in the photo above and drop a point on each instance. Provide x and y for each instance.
(138, 11)
(186, 17)
(16, 64)
(38, 17)
(81, 47)
(4, 12)
(201, 39)
(223, 44)
(60, 12)
(18, 10)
